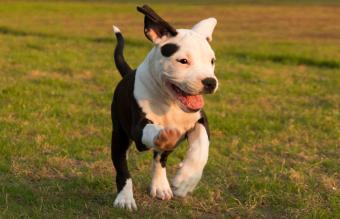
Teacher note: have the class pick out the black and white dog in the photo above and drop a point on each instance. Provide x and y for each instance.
(160, 104)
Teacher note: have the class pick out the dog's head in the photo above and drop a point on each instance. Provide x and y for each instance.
(182, 58)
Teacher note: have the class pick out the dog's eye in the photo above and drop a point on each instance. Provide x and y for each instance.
(213, 61)
(182, 61)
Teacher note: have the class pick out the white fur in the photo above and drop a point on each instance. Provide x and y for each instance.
(115, 29)
(156, 103)
(125, 197)
(196, 49)
(150, 131)
(192, 166)
(151, 91)
(205, 28)
(160, 186)
(156, 100)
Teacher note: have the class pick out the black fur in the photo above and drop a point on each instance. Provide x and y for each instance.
(163, 157)
(131, 117)
(152, 21)
(119, 146)
(169, 49)
(204, 121)
(125, 114)
(121, 64)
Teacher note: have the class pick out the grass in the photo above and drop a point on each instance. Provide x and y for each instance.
(275, 120)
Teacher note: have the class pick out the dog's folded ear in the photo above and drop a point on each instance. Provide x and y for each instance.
(205, 28)
(155, 28)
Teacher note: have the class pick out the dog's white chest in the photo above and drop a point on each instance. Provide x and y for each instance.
(169, 116)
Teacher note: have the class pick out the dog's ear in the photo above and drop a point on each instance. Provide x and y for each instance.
(155, 28)
(205, 28)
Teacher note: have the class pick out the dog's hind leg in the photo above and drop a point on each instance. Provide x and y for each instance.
(119, 146)
(160, 186)
(196, 158)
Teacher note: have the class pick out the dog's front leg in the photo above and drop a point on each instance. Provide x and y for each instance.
(160, 186)
(162, 141)
(192, 166)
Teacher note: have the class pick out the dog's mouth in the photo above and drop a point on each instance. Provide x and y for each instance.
(188, 102)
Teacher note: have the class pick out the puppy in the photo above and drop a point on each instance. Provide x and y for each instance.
(159, 104)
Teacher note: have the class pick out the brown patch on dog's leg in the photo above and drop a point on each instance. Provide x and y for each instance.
(167, 139)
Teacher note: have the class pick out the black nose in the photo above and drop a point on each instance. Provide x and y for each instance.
(209, 84)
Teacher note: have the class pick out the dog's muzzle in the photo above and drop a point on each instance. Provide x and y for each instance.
(209, 85)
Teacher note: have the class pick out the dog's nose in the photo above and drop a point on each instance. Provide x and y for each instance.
(209, 84)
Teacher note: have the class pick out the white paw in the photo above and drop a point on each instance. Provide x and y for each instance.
(186, 180)
(125, 198)
(160, 188)
(124, 202)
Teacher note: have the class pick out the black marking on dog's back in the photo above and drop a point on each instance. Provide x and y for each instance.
(169, 49)
(126, 111)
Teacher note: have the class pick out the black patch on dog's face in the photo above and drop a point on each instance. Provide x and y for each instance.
(169, 49)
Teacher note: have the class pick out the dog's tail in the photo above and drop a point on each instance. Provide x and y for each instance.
(120, 62)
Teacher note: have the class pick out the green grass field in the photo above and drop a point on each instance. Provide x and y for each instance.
(275, 120)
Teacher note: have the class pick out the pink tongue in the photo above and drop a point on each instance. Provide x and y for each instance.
(192, 102)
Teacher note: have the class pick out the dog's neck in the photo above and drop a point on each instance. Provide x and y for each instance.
(148, 83)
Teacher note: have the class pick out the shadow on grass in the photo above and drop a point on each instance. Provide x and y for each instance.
(21, 33)
(54, 194)
(287, 59)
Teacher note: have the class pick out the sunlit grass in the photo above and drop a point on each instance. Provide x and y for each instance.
(275, 120)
